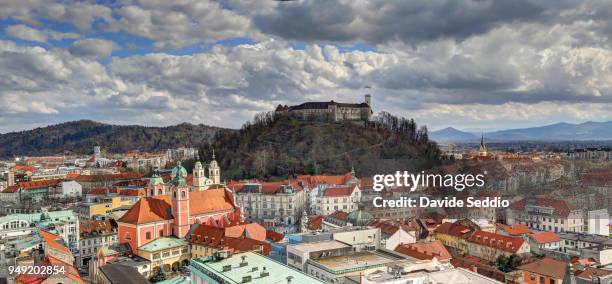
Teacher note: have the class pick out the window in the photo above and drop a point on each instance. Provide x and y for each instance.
(183, 194)
(161, 232)
(148, 235)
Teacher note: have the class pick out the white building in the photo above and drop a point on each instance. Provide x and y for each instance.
(545, 214)
(597, 222)
(95, 235)
(273, 203)
(66, 189)
(343, 198)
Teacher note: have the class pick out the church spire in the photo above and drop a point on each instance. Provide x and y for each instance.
(482, 151)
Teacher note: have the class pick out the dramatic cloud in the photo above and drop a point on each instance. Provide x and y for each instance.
(175, 24)
(468, 63)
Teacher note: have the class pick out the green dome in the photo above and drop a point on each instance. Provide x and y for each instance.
(360, 217)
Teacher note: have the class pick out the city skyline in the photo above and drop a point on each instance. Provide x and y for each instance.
(525, 64)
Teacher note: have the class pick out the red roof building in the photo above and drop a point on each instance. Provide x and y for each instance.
(490, 246)
(425, 250)
(172, 214)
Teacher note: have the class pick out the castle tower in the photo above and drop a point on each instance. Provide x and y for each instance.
(368, 100)
(97, 152)
(214, 172)
(156, 184)
(180, 201)
(482, 151)
(200, 181)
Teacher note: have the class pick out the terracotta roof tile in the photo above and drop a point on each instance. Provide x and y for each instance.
(505, 243)
(545, 237)
(338, 191)
(426, 250)
(561, 207)
(546, 266)
(52, 241)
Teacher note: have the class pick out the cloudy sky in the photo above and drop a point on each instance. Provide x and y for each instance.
(470, 64)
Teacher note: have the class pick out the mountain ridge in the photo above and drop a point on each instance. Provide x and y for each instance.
(79, 137)
(589, 130)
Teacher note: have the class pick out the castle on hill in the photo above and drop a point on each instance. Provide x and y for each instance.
(331, 110)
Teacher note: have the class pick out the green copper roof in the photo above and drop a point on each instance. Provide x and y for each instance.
(360, 217)
(163, 243)
(278, 272)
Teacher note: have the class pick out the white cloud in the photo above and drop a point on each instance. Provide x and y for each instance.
(92, 47)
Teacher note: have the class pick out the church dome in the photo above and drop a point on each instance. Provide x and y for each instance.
(360, 217)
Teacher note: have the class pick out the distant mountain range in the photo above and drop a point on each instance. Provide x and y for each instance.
(79, 137)
(555, 132)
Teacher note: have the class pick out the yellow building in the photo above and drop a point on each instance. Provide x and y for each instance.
(454, 235)
(100, 206)
(169, 253)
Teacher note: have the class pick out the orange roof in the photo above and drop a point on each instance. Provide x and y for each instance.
(70, 271)
(158, 208)
(389, 227)
(39, 184)
(101, 226)
(313, 181)
(253, 231)
(545, 237)
(561, 207)
(339, 215)
(22, 168)
(515, 230)
(339, 191)
(148, 209)
(454, 229)
(51, 241)
(423, 251)
(547, 267)
(218, 238)
(505, 243)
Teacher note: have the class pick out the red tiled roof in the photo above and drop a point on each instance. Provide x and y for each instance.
(547, 267)
(268, 188)
(423, 251)
(11, 189)
(561, 207)
(26, 185)
(389, 227)
(101, 226)
(545, 237)
(314, 222)
(313, 181)
(505, 243)
(339, 191)
(22, 168)
(454, 229)
(218, 238)
(253, 231)
(158, 208)
(339, 215)
(109, 177)
(274, 236)
(514, 230)
(51, 241)
(148, 209)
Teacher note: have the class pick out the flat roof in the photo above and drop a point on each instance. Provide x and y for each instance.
(354, 261)
(586, 238)
(318, 246)
(278, 272)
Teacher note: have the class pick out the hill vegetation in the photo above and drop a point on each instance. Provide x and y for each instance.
(275, 146)
(79, 137)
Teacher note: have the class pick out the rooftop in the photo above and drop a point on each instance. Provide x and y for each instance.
(255, 265)
(357, 261)
(163, 243)
(597, 239)
(117, 273)
(546, 266)
(318, 246)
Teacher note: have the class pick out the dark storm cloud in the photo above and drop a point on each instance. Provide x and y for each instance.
(379, 21)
